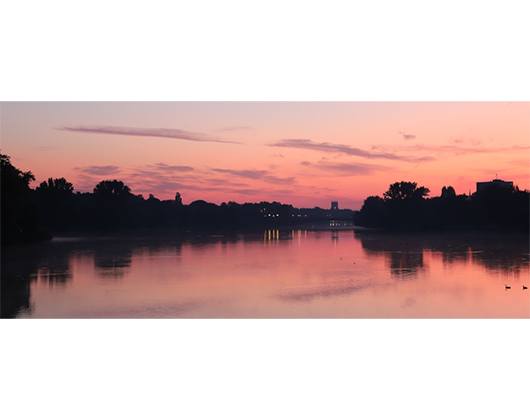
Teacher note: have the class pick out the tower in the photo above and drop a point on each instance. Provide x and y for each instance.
(334, 205)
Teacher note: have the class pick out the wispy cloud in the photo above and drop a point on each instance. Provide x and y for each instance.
(407, 136)
(223, 182)
(309, 144)
(256, 174)
(99, 169)
(457, 149)
(279, 180)
(341, 168)
(164, 167)
(170, 133)
(243, 173)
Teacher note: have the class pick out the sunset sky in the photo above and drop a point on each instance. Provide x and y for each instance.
(304, 153)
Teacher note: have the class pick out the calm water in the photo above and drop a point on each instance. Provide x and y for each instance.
(274, 274)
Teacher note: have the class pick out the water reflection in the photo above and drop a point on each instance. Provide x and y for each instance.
(15, 287)
(54, 275)
(503, 255)
(113, 263)
(54, 267)
(22, 266)
(276, 273)
(508, 253)
(403, 254)
(275, 235)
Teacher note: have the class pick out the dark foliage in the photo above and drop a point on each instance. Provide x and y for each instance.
(20, 220)
(55, 207)
(405, 207)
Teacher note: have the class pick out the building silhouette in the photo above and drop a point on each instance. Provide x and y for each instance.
(334, 205)
(494, 184)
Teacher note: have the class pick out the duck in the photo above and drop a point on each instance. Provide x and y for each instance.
(506, 287)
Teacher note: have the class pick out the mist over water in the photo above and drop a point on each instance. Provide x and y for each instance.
(274, 274)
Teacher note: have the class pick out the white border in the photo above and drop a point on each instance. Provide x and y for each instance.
(274, 50)
(259, 369)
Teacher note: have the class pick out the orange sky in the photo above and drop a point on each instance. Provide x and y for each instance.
(304, 153)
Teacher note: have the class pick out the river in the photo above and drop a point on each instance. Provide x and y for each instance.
(271, 274)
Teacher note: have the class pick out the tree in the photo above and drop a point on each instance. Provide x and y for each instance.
(448, 192)
(372, 213)
(112, 189)
(55, 202)
(17, 180)
(400, 191)
(55, 186)
(153, 199)
(18, 213)
(178, 199)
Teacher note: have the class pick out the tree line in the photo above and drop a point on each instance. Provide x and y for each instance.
(406, 206)
(54, 207)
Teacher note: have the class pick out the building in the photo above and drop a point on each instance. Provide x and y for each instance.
(334, 205)
(494, 184)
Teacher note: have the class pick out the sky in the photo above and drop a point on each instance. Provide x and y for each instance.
(303, 153)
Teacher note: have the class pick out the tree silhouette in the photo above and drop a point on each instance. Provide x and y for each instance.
(405, 207)
(54, 206)
(405, 191)
(448, 192)
(112, 189)
(55, 200)
(373, 211)
(17, 180)
(55, 186)
(178, 199)
(18, 212)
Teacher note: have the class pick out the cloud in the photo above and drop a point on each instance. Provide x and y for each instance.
(407, 136)
(171, 133)
(99, 169)
(256, 174)
(462, 150)
(85, 182)
(243, 173)
(247, 191)
(164, 179)
(309, 144)
(277, 180)
(345, 168)
(473, 142)
(223, 182)
(164, 167)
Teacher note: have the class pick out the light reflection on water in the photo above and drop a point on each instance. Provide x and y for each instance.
(293, 273)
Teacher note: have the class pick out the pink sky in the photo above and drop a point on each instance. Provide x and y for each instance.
(304, 153)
